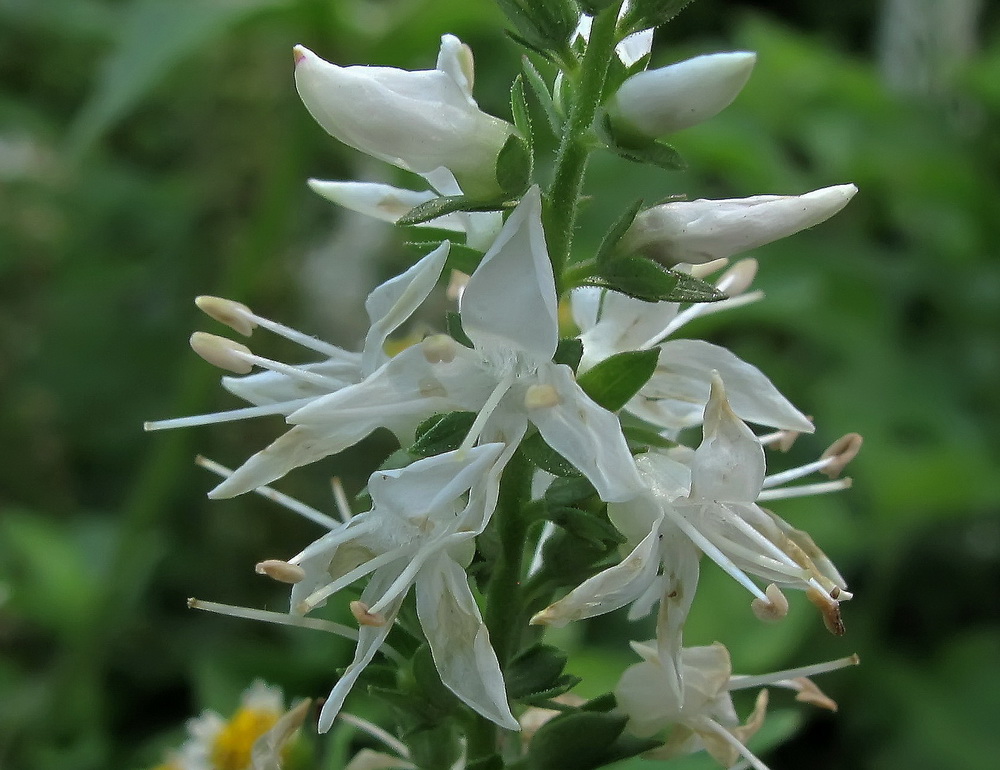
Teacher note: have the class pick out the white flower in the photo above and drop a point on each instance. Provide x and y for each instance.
(418, 120)
(661, 101)
(389, 203)
(675, 396)
(284, 388)
(419, 533)
(508, 311)
(703, 716)
(702, 230)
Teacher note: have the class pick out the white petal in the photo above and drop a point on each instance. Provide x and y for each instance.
(611, 589)
(369, 640)
(269, 387)
(460, 643)
(587, 435)
(729, 463)
(509, 306)
(392, 303)
(620, 323)
(682, 382)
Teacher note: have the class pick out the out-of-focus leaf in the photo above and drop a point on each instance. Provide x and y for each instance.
(154, 37)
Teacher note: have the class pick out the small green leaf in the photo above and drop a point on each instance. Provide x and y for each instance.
(541, 91)
(547, 458)
(619, 377)
(438, 207)
(536, 669)
(647, 280)
(638, 148)
(568, 491)
(643, 438)
(513, 168)
(585, 526)
(618, 229)
(580, 740)
(441, 433)
(561, 686)
(453, 323)
(569, 352)
(519, 110)
(428, 683)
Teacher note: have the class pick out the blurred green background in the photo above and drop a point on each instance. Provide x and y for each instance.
(153, 150)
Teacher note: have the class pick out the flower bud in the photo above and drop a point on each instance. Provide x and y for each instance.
(418, 121)
(702, 230)
(658, 102)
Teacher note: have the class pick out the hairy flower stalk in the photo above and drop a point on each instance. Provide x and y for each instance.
(540, 479)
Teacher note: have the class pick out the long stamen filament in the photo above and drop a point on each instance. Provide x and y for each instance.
(791, 474)
(805, 490)
(291, 371)
(274, 495)
(735, 742)
(745, 682)
(700, 309)
(376, 732)
(244, 413)
(484, 414)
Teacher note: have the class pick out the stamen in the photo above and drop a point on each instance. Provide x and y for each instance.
(321, 594)
(700, 309)
(376, 732)
(841, 452)
(733, 741)
(541, 397)
(782, 438)
(805, 490)
(774, 609)
(438, 349)
(364, 616)
(340, 500)
(763, 680)
(295, 372)
(221, 352)
(281, 571)
(791, 474)
(830, 610)
(484, 414)
(705, 269)
(241, 318)
(244, 413)
(274, 495)
(738, 278)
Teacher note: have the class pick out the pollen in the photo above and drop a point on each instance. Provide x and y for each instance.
(234, 743)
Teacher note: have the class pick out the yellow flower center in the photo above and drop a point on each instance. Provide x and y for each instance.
(232, 746)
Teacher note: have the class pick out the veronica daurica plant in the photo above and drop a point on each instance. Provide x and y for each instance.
(544, 472)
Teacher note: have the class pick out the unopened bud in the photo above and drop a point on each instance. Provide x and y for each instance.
(282, 571)
(661, 101)
(541, 397)
(365, 618)
(775, 608)
(221, 352)
(235, 315)
(843, 450)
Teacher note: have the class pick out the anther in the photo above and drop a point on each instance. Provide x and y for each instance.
(842, 451)
(830, 609)
(439, 349)
(707, 268)
(365, 618)
(775, 608)
(541, 396)
(738, 278)
(235, 315)
(221, 352)
(281, 571)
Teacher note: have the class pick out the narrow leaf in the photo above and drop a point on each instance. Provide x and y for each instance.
(438, 207)
(569, 352)
(441, 433)
(542, 94)
(513, 169)
(618, 229)
(614, 381)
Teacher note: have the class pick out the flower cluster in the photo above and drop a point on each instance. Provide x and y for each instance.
(506, 421)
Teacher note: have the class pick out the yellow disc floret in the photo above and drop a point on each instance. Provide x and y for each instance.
(232, 746)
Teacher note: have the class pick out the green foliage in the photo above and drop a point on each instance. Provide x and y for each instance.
(646, 280)
(614, 381)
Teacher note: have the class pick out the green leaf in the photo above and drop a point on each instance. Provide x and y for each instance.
(453, 324)
(536, 669)
(580, 740)
(619, 377)
(618, 229)
(568, 491)
(513, 168)
(542, 94)
(644, 279)
(561, 686)
(585, 526)
(441, 433)
(155, 36)
(638, 148)
(643, 438)
(569, 352)
(448, 204)
(644, 14)
(428, 682)
(547, 458)
(519, 110)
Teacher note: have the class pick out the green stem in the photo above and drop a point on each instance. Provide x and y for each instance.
(574, 149)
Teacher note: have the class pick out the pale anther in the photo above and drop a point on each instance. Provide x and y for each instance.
(235, 315)
(281, 571)
(843, 450)
(365, 618)
(738, 278)
(439, 349)
(541, 396)
(775, 608)
(221, 352)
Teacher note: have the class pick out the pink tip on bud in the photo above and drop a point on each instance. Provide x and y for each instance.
(281, 571)
(365, 618)
(843, 450)
(774, 609)
(235, 315)
(221, 352)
